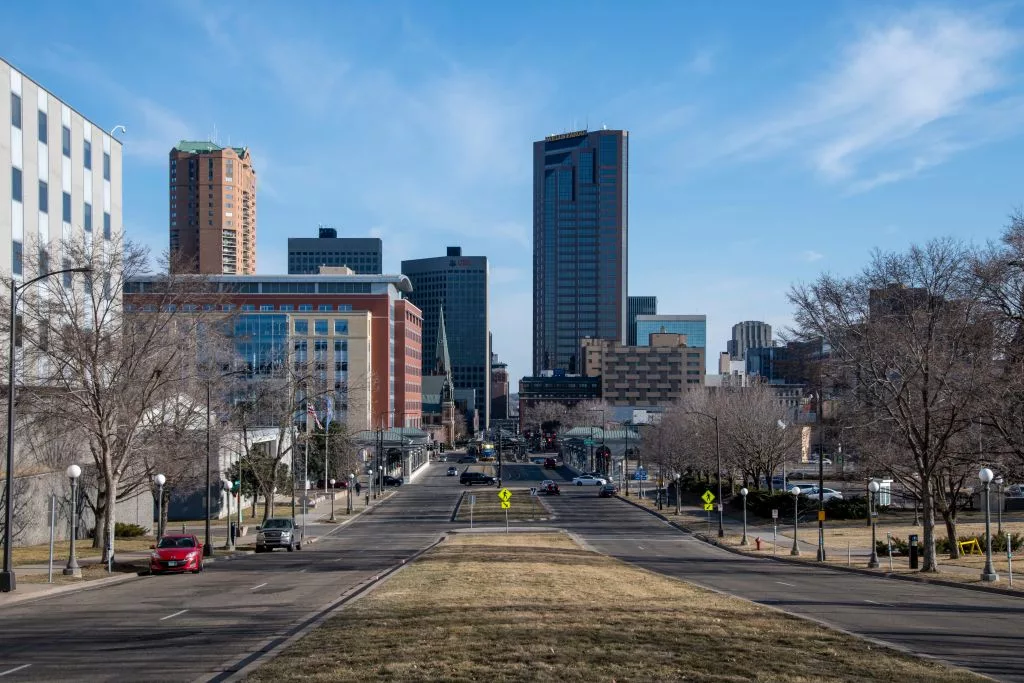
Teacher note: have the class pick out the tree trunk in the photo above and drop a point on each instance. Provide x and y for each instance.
(100, 510)
(110, 481)
(949, 517)
(930, 564)
(164, 504)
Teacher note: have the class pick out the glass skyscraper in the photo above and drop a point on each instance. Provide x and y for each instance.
(458, 284)
(695, 327)
(580, 232)
(640, 305)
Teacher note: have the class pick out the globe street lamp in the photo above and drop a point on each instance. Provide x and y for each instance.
(796, 503)
(988, 573)
(160, 480)
(332, 500)
(872, 496)
(73, 472)
(7, 580)
(743, 492)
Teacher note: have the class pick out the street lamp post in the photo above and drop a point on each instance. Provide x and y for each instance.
(7, 580)
(229, 541)
(820, 409)
(743, 492)
(73, 472)
(873, 487)
(989, 572)
(718, 457)
(796, 503)
(332, 500)
(999, 505)
(160, 480)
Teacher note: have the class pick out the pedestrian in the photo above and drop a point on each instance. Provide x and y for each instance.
(359, 488)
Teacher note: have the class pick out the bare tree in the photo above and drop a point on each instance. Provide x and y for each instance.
(914, 348)
(754, 432)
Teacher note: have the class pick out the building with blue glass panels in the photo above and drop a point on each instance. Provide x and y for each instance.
(457, 285)
(580, 232)
(695, 327)
(639, 305)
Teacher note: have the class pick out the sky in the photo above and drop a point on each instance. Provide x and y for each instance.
(769, 142)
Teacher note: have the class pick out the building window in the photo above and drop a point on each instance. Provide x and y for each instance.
(266, 307)
(301, 327)
(87, 217)
(44, 198)
(305, 307)
(65, 141)
(106, 225)
(42, 127)
(87, 154)
(66, 207)
(16, 184)
(320, 328)
(341, 327)
(106, 166)
(287, 307)
(323, 307)
(16, 110)
(248, 307)
(16, 256)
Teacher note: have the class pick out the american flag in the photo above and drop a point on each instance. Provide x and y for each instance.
(311, 412)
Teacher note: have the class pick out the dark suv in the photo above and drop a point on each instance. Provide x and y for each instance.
(470, 478)
(550, 463)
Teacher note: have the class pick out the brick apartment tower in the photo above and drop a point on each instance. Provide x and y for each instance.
(213, 209)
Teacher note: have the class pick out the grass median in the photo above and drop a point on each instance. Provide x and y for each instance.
(537, 607)
(525, 508)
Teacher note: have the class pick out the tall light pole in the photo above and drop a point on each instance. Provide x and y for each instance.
(229, 541)
(989, 572)
(207, 544)
(7, 580)
(72, 569)
(159, 480)
(743, 492)
(332, 501)
(820, 409)
(796, 529)
(872, 493)
(718, 457)
(998, 481)
(351, 483)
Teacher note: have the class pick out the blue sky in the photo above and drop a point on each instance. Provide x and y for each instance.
(769, 141)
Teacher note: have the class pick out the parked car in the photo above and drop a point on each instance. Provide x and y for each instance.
(467, 458)
(804, 487)
(829, 494)
(550, 463)
(452, 472)
(813, 459)
(606, 491)
(470, 478)
(177, 553)
(393, 481)
(549, 487)
(588, 480)
(278, 532)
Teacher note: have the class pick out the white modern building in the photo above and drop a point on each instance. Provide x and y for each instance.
(60, 178)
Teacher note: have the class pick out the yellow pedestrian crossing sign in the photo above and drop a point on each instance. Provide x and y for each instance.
(505, 505)
(708, 499)
(505, 496)
(708, 507)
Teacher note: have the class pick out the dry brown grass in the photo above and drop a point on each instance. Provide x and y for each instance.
(90, 572)
(488, 507)
(529, 607)
(40, 554)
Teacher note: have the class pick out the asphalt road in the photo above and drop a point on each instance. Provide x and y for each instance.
(977, 630)
(189, 626)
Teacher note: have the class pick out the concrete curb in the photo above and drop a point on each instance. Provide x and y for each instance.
(657, 514)
(69, 588)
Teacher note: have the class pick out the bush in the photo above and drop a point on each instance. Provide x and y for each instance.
(122, 530)
(855, 507)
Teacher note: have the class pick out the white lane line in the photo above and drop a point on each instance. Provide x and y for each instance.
(259, 586)
(171, 616)
(17, 668)
(303, 571)
(641, 547)
(791, 585)
(882, 604)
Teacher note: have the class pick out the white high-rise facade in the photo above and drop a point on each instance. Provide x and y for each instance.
(60, 179)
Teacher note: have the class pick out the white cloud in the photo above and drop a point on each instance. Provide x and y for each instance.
(903, 97)
(702, 63)
(811, 256)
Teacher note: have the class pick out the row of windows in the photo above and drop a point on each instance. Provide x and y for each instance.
(17, 194)
(320, 327)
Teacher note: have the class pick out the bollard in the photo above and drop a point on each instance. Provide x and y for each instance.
(913, 551)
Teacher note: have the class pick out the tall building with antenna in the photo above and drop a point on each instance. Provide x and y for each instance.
(212, 209)
(580, 239)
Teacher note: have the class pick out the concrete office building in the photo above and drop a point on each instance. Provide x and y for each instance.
(213, 209)
(655, 374)
(749, 334)
(580, 239)
(456, 287)
(695, 327)
(364, 255)
(357, 331)
(639, 305)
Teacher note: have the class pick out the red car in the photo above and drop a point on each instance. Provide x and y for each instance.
(177, 553)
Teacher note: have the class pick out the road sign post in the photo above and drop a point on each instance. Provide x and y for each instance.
(506, 502)
(472, 502)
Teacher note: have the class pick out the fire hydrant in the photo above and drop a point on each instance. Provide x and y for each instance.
(758, 542)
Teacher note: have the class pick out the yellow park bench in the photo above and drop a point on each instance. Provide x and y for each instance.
(971, 547)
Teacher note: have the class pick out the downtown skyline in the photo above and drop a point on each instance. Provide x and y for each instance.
(766, 146)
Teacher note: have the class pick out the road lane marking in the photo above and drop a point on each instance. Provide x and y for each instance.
(259, 586)
(17, 668)
(791, 585)
(641, 547)
(171, 616)
(303, 571)
(882, 604)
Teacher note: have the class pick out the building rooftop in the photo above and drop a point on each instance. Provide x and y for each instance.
(200, 146)
(401, 282)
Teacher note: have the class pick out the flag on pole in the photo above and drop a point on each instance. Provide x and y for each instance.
(311, 412)
(329, 412)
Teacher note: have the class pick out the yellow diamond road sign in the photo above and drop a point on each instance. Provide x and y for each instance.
(708, 497)
(505, 505)
(505, 495)
(708, 507)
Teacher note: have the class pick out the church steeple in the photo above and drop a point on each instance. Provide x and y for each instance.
(442, 360)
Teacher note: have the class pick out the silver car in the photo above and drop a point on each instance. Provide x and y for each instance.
(588, 480)
(278, 532)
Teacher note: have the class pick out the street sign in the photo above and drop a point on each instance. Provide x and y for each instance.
(708, 507)
(719, 507)
(640, 475)
(505, 495)
(708, 497)
(472, 500)
(775, 514)
(533, 490)
(821, 515)
(588, 442)
(505, 505)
